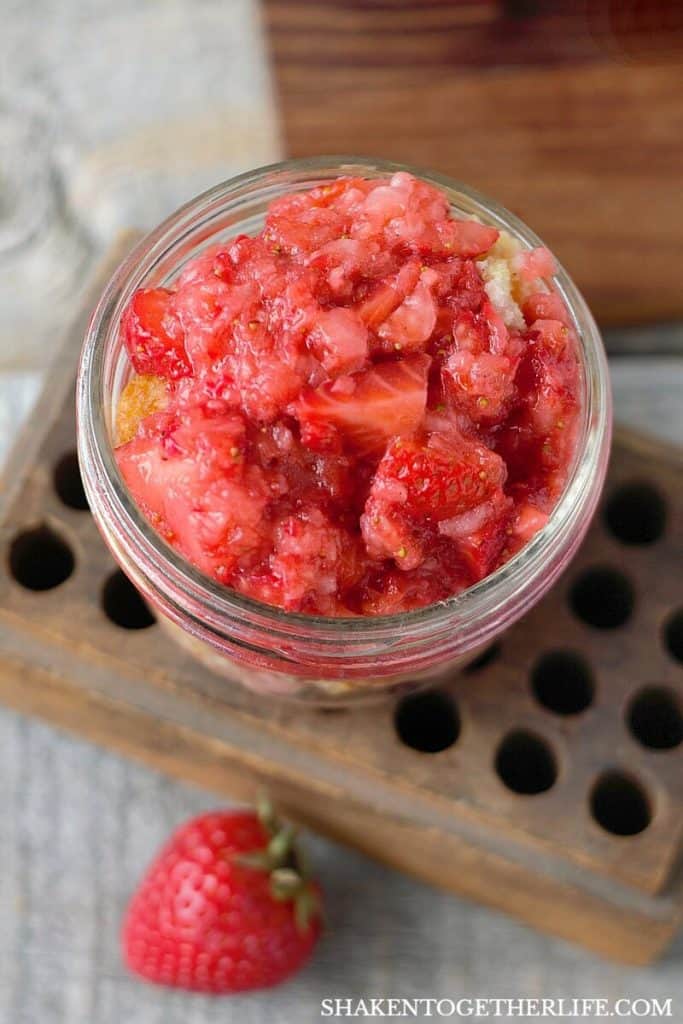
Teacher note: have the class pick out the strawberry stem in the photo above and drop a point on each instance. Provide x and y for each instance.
(283, 861)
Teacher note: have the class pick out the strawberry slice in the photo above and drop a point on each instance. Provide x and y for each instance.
(153, 335)
(364, 410)
(442, 478)
(419, 486)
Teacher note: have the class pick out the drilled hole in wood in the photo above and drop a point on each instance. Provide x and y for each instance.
(526, 763)
(620, 804)
(486, 657)
(124, 605)
(673, 635)
(655, 717)
(636, 514)
(40, 560)
(562, 682)
(603, 598)
(428, 722)
(68, 482)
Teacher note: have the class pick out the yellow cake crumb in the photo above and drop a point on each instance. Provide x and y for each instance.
(141, 396)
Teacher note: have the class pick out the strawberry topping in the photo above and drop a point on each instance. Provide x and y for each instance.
(365, 408)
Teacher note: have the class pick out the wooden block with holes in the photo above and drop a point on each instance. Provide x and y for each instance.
(545, 781)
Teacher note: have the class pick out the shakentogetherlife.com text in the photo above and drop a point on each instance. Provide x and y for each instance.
(484, 1007)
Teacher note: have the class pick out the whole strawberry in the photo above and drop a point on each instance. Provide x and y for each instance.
(226, 906)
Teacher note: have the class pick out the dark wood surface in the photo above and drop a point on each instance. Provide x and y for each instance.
(573, 118)
(445, 817)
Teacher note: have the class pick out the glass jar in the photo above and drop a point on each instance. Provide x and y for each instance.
(263, 647)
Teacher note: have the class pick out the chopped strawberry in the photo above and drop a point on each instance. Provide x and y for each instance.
(394, 592)
(459, 284)
(441, 478)
(215, 259)
(411, 325)
(388, 531)
(525, 523)
(153, 335)
(419, 486)
(208, 310)
(412, 214)
(267, 382)
(388, 295)
(313, 560)
(345, 194)
(479, 372)
(347, 262)
(555, 375)
(539, 436)
(363, 411)
(303, 222)
(466, 237)
(193, 483)
(340, 341)
(546, 306)
(404, 211)
(439, 576)
(532, 264)
(481, 534)
(481, 386)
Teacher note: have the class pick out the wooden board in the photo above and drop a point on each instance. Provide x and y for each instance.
(537, 745)
(569, 114)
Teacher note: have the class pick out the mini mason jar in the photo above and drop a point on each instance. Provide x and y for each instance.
(265, 648)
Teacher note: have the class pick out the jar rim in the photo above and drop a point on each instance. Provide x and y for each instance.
(178, 584)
